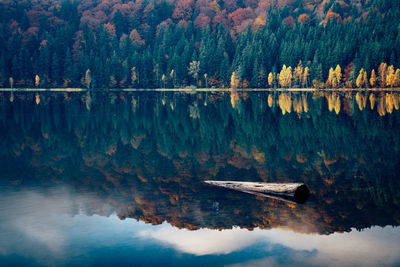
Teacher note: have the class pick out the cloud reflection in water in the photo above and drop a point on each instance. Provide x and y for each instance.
(54, 228)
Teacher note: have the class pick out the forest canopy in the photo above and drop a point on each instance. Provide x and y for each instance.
(177, 43)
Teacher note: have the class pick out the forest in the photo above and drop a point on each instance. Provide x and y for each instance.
(200, 43)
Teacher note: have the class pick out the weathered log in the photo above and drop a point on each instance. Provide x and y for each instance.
(297, 192)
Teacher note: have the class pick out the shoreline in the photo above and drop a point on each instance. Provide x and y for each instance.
(194, 90)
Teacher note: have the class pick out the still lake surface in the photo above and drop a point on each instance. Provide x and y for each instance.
(117, 178)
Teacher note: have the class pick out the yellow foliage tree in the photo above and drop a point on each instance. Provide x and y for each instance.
(234, 80)
(298, 73)
(270, 79)
(163, 77)
(365, 79)
(337, 77)
(285, 76)
(282, 76)
(390, 76)
(397, 78)
(360, 78)
(306, 73)
(382, 70)
(372, 80)
(37, 80)
(331, 77)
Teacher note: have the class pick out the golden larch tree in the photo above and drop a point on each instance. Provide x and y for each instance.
(365, 79)
(306, 73)
(282, 76)
(234, 80)
(360, 78)
(289, 76)
(285, 76)
(382, 74)
(163, 79)
(298, 74)
(372, 80)
(337, 77)
(390, 76)
(270, 79)
(397, 78)
(37, 80)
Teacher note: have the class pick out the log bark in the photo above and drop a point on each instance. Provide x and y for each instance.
(297, 192)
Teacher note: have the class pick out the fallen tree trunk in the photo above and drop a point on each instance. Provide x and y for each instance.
(297, 192)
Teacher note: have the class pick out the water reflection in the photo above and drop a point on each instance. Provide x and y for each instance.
(56, 227)
(145, 155)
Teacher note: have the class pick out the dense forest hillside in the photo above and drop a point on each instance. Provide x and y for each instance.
(221, 43)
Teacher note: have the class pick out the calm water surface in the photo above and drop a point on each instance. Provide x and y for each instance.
(117, 178)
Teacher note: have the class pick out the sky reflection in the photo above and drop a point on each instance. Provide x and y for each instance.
(39, 228)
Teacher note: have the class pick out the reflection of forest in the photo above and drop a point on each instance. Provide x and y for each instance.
(146, 154)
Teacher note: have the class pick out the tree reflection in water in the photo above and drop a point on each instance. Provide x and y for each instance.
(147, 154)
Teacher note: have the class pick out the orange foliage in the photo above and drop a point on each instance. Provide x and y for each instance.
(304, 18)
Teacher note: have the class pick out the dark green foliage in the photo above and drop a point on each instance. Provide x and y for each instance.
(156, 44)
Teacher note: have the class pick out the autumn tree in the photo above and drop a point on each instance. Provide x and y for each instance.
(285, 76)
(306, 73)
(390, 76)
(338, 77)
(298, 74)
(397, 78)
(382, 70)
(270, 79)
(361, 79)
(163, 80)
(37, 80)
(234, 80)
(331, 78)
(373, 78)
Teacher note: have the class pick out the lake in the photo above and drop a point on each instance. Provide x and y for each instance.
(116, 178)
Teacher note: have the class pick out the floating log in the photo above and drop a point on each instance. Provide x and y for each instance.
(297, 192)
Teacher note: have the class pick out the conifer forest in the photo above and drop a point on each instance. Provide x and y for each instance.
(199, 43)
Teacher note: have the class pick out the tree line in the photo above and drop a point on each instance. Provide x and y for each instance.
(70, 46)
